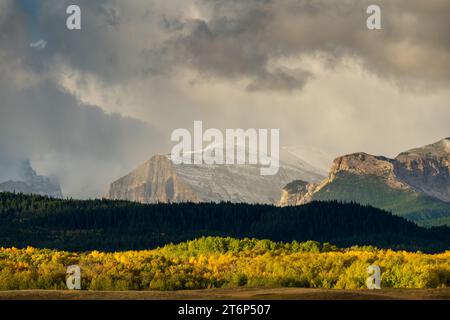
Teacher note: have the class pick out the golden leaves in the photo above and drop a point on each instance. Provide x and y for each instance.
(200, 264)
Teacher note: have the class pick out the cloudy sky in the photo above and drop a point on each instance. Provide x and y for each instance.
(88, 106)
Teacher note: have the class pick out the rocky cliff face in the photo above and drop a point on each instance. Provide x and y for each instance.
(424, 170)
(154, 181)
(297, 192)
(366, 164)
(31, 183)
(160, 180)
(427, 169)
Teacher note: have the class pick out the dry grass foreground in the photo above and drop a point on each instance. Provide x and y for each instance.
(233, 294)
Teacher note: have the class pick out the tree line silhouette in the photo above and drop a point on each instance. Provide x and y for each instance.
(81, 225)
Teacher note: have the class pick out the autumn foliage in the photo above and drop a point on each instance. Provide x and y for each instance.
(224, 262)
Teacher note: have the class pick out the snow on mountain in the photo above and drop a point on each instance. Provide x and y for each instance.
(160, 180)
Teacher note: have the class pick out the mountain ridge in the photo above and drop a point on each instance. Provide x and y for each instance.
(419, 178)
(168, 182)
(31, 183)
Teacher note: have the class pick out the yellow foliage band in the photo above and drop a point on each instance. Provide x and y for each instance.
(224, 262)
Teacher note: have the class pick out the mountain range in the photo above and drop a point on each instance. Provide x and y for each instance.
(161, 180)
(415, 184)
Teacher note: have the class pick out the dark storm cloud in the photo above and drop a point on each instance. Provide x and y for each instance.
(281, 79)
(140, 45)
(241, 37)
(235, 39)
(58, 121)
(42, 122)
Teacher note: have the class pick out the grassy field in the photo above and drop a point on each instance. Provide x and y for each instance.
(233, 294)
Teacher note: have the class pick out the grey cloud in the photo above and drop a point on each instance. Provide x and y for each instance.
(242, 37)
(122, 40)
(71, 141)
(6, 8)
(239, 38)
(281, 79)
(113, 41)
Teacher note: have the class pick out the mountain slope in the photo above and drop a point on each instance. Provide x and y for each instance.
(374, 191)
(160, 180)
(31, 183)
(154, 181)
(414, 185)
(427, 169)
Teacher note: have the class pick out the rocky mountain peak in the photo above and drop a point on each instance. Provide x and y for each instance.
(153, 181)
(296, 192)
(32, 183)
(162, 180)
(446, 143)
(365, 164)
(296, 186)
(427, 169)
(362, 163)
(26, 172)
(434, 150)
(421, 171)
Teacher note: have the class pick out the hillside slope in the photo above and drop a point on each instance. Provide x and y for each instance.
(415, 185)
(372, 190)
